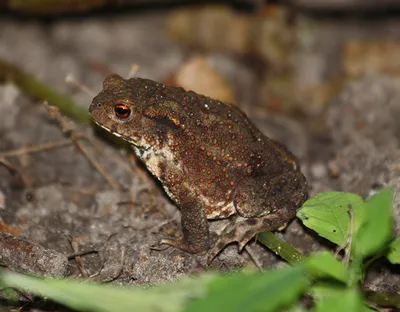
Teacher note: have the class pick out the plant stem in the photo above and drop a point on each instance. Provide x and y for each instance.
(280, 247)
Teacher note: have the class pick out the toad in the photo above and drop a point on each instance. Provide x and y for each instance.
(210, 159)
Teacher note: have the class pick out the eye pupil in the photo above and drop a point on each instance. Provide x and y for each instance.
(122, 111)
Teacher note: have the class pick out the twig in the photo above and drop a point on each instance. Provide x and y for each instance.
(83, 253)
(253, 257)
(104, 261)
(77, 258)
(114, 184)
(11, 169)
(71, 80)
(16, 175)
(75, 137)
(35, 149)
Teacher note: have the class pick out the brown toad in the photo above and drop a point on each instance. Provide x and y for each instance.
(211, 160)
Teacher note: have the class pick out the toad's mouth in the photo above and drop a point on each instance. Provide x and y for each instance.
(132, 139)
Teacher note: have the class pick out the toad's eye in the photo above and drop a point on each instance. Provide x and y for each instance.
(122, 111)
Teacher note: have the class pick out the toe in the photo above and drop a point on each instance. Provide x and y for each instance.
(179, 244)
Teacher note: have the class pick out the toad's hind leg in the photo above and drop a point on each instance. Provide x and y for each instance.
(243, 231)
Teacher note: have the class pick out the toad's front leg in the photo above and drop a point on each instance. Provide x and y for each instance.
(196, 236)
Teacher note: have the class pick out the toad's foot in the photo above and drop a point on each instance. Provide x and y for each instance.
(243, 231)
(180, 244)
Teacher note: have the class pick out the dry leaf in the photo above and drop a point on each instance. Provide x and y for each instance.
(362, 57)
(198, 75)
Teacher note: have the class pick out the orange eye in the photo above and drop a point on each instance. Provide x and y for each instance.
(122, 111)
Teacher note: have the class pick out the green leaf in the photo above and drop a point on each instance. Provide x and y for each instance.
(328, 214)
(323, 290)
(255, 292)
(324, 264)
(235, 292)
(376, 224)
(106, 298)
(296, 308)
(394, 251)
(342, 300)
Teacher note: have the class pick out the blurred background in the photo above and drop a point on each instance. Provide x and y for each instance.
(273, 59)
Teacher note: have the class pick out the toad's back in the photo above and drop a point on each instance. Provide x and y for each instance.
(189, 139)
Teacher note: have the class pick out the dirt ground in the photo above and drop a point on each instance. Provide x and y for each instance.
(59, 201)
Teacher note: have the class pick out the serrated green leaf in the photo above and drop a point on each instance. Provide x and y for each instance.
(394, 251)
(324, 264)
(342, 300)
(376, 224)
(328, 214)
(255, 292)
